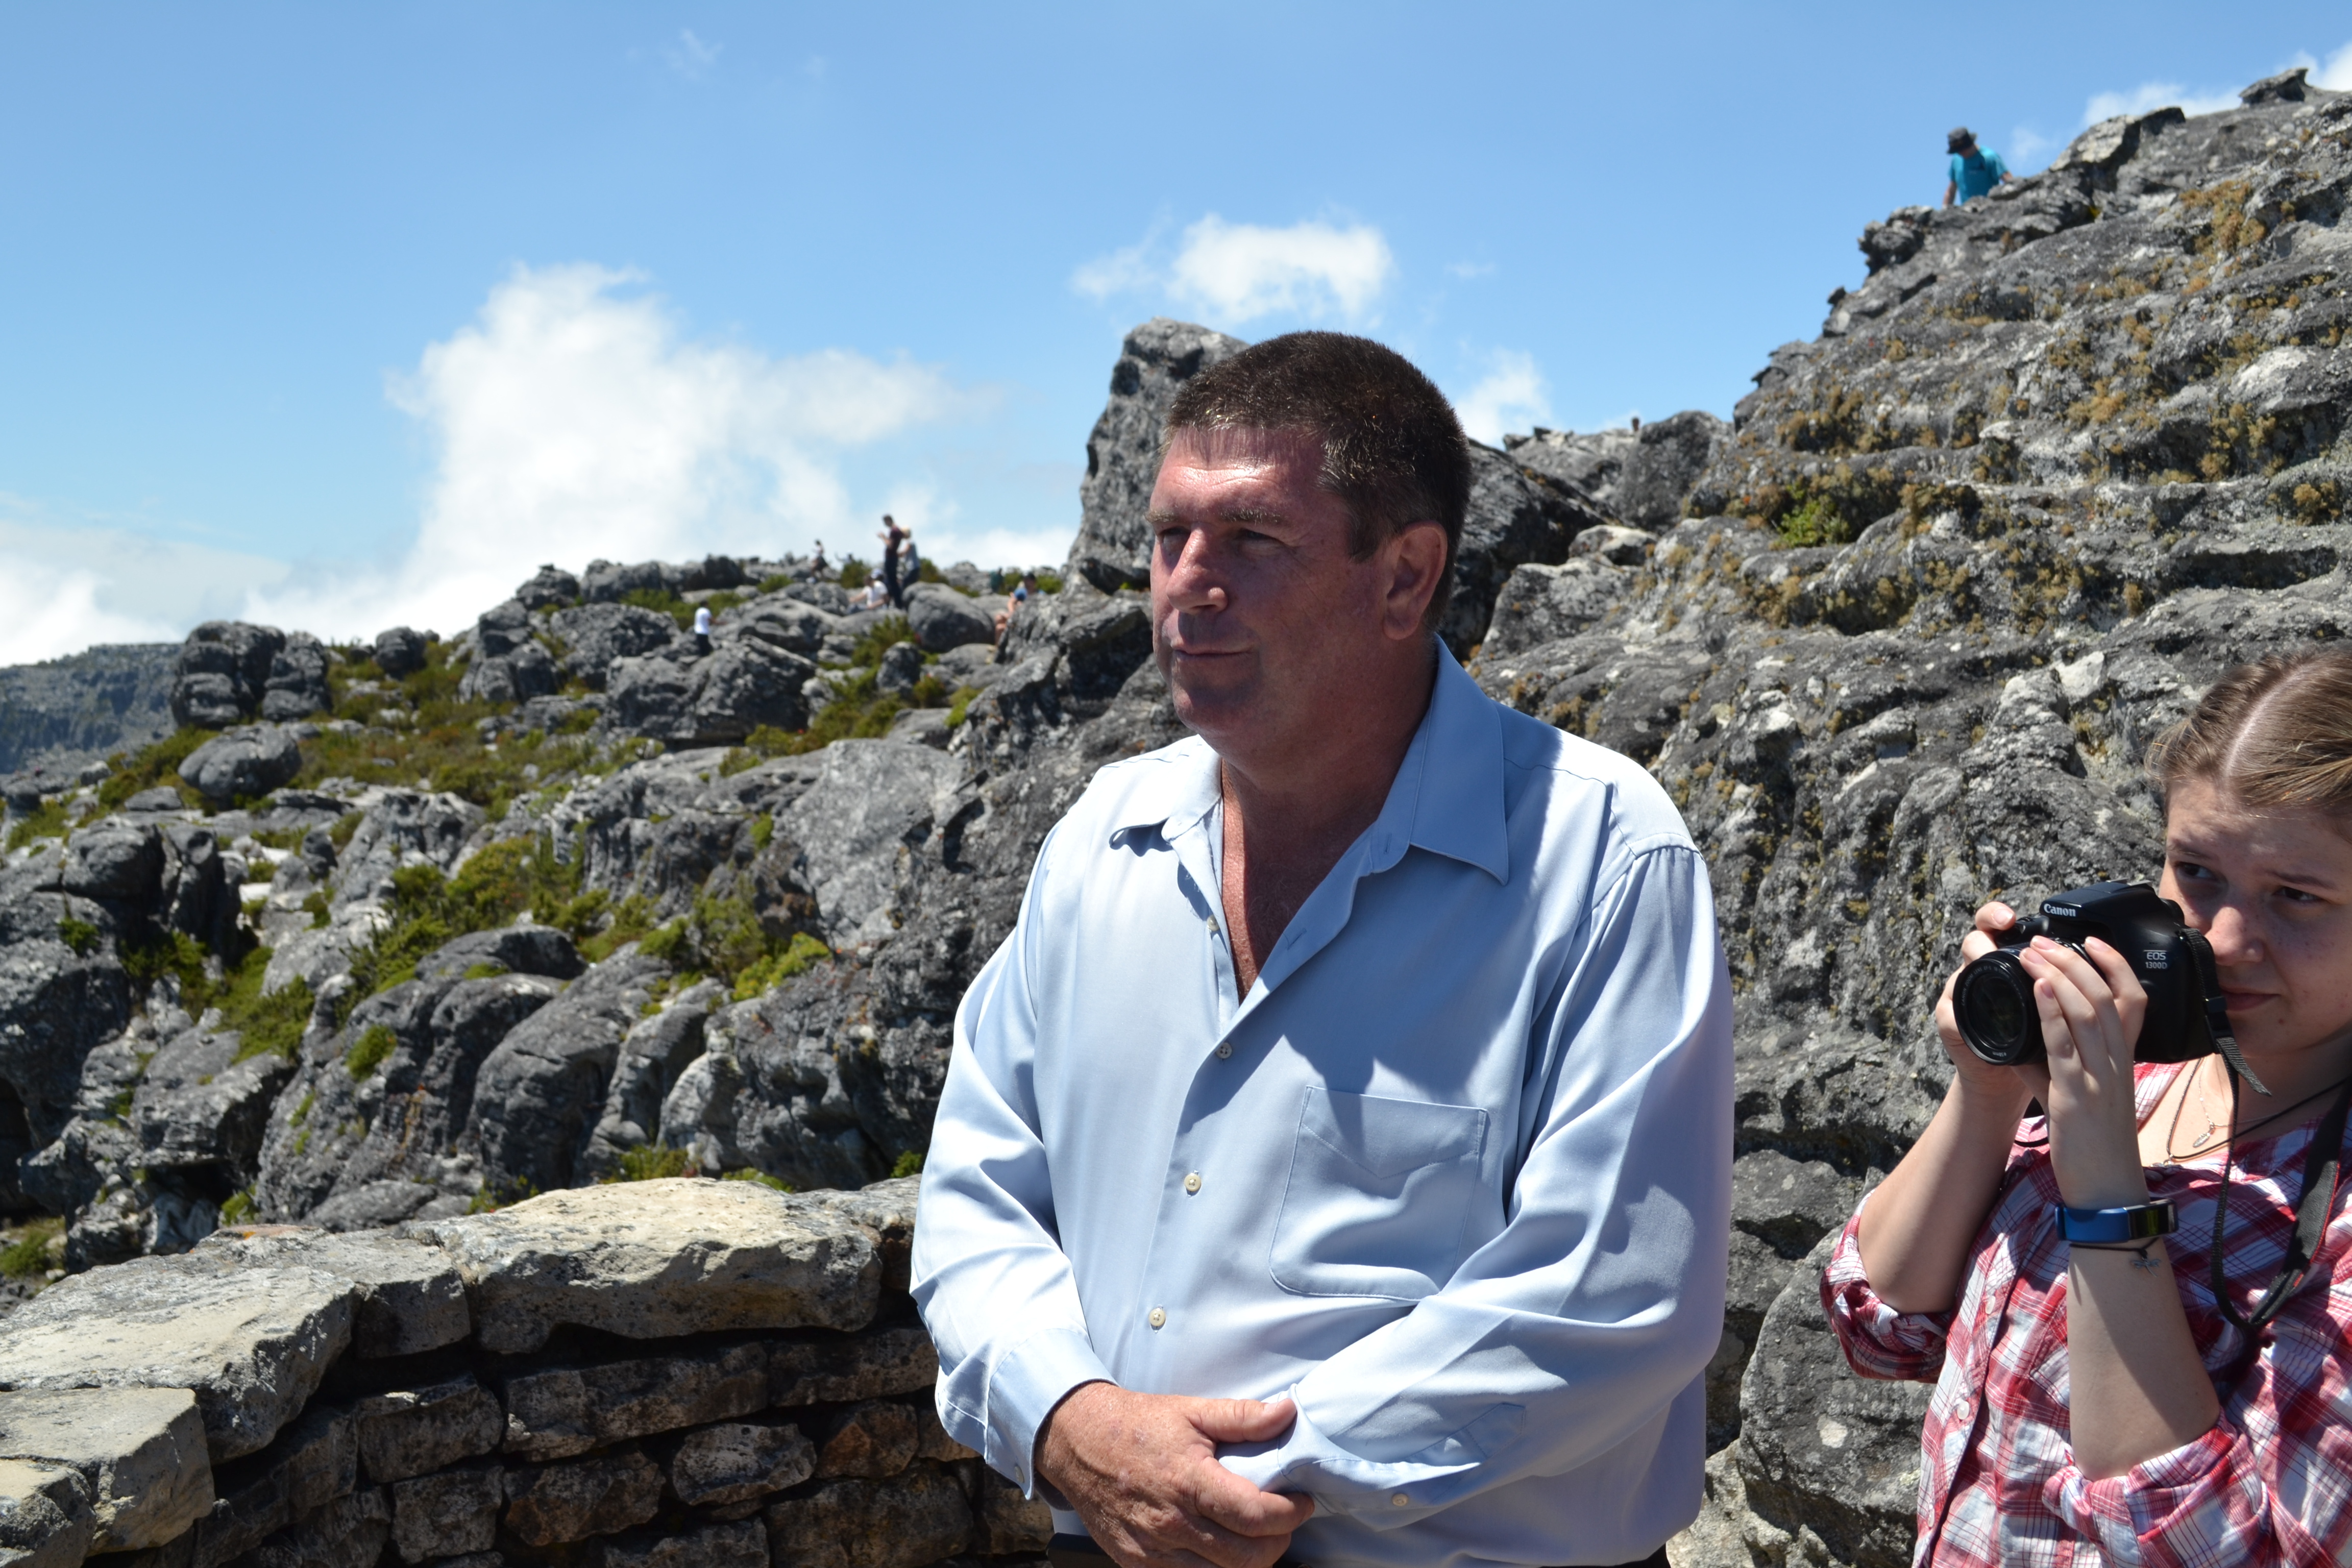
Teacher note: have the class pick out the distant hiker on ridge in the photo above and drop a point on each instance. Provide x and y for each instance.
(1974, 172)
(894, 539)
(702, 631)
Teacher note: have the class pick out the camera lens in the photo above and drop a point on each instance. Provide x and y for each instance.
(1993, 1004)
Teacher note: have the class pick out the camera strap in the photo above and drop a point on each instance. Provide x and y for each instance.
(2216, 1010)
(2321, 1161)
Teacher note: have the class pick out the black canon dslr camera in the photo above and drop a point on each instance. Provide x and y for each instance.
(1992, 999)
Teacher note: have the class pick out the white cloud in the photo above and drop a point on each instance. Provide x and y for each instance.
(1233, 273)
(2025, 146)
(690, 56)
(1243, 271)
(2335, 75)
(65, 585)
(2152, 95)
(1469, 269)
(573, 420)
(1510, 396)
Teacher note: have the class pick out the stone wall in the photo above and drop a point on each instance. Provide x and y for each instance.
(680, 1373)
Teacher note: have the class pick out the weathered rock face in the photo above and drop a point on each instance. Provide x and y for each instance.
(1113, 550)
(241, 763)
(692, 1356)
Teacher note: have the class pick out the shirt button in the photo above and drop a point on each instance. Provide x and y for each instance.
(1159, 1317)
(1400, 1499)
(1193, 1182)
(1213, 925)
(1224, 1049)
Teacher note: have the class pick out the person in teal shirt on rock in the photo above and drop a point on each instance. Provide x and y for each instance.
(1974, 172)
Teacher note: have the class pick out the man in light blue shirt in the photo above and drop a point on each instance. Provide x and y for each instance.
(1334, 1161)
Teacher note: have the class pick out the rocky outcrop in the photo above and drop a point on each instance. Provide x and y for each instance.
(710, 1374)
(1113, 550)
(61, 717)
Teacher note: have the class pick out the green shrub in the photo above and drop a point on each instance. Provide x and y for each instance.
(79, 935)
(776, 583)
(318, 908)
(959, 705)
(910, 1164)
(764, 830)
(631, 919)
(748, 1174)
(669, 943)
(173, 953)
(498, 882)
(854, 574)
(877, 638)
(650, 1162)
(239, 1205)
(368, 1052)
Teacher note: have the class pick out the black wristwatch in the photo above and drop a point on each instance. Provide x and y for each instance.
(2140, 1222)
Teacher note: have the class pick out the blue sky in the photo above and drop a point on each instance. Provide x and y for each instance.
(343, 315)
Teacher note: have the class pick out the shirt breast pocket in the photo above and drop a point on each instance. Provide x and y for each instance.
(1379, 1196)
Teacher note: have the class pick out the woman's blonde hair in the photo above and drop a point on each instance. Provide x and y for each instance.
(2275, 732)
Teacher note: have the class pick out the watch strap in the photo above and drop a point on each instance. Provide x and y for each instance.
(2139, 1222)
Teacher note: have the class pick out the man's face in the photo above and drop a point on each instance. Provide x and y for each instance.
(1264, 626)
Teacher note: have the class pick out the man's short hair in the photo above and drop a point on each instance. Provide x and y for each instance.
(1394, 451)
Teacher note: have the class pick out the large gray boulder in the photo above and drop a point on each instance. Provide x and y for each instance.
(942, 618)
(140, 1451)
(541, 1090)
(1113, 549)
(873, 804)
(400, 650)
(593, 636)
(243, 764)
(296, 686)
(745, 683)
(222, 671)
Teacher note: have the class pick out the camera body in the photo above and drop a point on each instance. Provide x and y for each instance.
(1992, 998)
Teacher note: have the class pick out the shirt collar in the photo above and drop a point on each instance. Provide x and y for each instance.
(1447, 797)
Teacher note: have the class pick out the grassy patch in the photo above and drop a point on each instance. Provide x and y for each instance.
(959, 705)
(650, 1162)
(29, 1253)
(239, 1206)
(46, 821)
(79, 935)
(910, 1164)
(150, 765)
(854, 573)
(500, 881)
(368, 1052)
(767, 973)
(271, 1022)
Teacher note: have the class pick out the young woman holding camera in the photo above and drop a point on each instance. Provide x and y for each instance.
(2147, 1391)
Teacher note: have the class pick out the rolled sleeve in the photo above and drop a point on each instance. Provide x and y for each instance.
(1878, 1341)
(1601, 1302)
(2204, 1503)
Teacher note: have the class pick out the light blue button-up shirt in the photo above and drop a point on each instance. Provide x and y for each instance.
(1456, 1174)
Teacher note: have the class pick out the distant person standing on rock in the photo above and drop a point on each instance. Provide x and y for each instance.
(894, 540)
(702, 631)
(816, 561)
(1015, 602)
(1334, 1161)
(1973, 171)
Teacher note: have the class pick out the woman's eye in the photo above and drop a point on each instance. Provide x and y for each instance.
(2189, 871)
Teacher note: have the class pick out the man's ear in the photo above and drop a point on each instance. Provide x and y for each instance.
(1415, 558)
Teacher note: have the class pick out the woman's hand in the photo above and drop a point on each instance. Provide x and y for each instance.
(1972, 1074)
(2091, 1009)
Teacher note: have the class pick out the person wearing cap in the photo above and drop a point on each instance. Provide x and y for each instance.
(1974, 171)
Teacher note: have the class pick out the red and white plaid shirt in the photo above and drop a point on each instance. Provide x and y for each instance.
(2270, 1482)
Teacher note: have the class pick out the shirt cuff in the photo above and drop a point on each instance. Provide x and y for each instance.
(1380, 1495)
(2121, 1511)
(1023, 1387)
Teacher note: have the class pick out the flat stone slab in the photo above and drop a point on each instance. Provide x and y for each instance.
(141, 1450)
(252, 1343)
(652, 1259)
(411, 1297)
(563, 1411)
(45, 1520)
